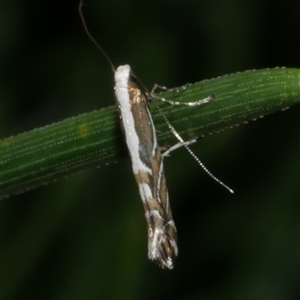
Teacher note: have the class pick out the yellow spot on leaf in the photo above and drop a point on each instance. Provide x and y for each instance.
(4, 142)
(83, 129)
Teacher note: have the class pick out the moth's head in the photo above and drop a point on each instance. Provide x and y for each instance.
(122, 73)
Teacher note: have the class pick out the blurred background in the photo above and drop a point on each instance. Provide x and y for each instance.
(85, 237)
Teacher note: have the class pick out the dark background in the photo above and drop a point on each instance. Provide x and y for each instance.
(85, 237)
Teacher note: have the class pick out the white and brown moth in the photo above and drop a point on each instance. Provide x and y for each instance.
(147, 161)
(147, 166)
(146, 158)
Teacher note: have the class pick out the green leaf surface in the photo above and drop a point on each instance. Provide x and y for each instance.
(94, 139)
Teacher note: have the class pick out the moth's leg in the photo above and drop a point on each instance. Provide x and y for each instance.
(178, 90)
(177, 146)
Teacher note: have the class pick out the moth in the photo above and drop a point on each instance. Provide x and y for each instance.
(147, 166)
(133, 101)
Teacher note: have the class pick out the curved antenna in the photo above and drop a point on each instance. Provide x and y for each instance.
(185, 144)
(92, 38)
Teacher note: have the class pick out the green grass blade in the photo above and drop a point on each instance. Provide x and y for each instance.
(94, 139)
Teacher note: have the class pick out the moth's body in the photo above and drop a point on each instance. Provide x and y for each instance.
(147, 166)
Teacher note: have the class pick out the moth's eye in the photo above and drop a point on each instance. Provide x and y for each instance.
(133, 77)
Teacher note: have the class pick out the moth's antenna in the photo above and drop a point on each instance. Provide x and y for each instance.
(184, 144)
(92, 38)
